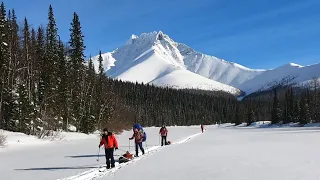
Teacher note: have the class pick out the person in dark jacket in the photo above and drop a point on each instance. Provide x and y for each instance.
(202, 128)
(110, 143)
(163, 133)
(138, 137)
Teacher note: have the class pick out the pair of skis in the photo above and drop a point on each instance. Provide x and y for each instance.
(104, 168)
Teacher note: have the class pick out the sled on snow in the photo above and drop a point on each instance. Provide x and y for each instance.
(126, 157)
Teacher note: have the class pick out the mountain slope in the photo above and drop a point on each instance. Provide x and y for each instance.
(216, 69)
(154, 58)
(298, 73)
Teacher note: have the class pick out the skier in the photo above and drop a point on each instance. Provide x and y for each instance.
(163, 132)
(138, 136)
(201, 128)
(110, 143)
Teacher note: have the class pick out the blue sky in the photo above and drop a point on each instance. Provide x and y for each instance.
(254, 33)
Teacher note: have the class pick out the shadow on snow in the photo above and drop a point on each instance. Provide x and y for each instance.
(56, 168)
(88, 156)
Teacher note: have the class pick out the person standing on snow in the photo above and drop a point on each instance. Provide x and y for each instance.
(201, 128)
(138, 137)
(163, 132)
(110, 143)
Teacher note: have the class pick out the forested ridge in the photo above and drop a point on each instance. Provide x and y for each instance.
(47, 84)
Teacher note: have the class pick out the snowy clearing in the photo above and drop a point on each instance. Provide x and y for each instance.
(234, 153)
(58, 160)
(223, 152)
(16, 140)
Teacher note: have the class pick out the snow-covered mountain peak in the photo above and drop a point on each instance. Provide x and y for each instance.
(157, 59)
(289, 66)
(149, 38)
(132, 38)
(294, 64)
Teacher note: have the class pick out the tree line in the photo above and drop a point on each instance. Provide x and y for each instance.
(289, 102)
(47, 84)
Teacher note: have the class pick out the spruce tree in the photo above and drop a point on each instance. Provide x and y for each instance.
(315, 85)
(91, 99)
(237, 116)
(63, 87)
(51, 62)
(250, 115)
(4, 65)
(24, 110)
(101, 69)
(99, 100)
(91, 70)
(296, 114)
(77, 48)
(42, 67)
(34, 68)
(305, 116)
(15, 50)
(276, 111)
(26, 66)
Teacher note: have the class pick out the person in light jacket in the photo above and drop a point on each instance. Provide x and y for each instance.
(138, 137)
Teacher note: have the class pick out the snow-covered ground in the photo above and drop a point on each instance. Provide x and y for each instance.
(36, 159)
(223, 152)
(234, 153)
(17, 141)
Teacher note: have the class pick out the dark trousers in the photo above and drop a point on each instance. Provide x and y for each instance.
(163, 139)
(109, 155)
(140, 146)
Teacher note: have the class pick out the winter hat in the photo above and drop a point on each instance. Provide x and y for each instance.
(105, 129)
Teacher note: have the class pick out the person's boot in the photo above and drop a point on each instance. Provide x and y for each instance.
(108, 166)
(142, 151)
(137, 155)
(112, 165)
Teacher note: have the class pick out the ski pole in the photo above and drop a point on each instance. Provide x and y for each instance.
(98, 155)
(129, 145)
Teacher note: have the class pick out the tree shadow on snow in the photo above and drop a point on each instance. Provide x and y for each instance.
(56, 168)
(88, 156)
(102, 162)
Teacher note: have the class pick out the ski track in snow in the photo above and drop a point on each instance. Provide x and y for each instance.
(102, 171)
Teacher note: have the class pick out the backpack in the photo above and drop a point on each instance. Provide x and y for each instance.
(140, 128)
(144, 137)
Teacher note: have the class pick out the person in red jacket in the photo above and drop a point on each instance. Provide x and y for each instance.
(163, 133)
(110, 143)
